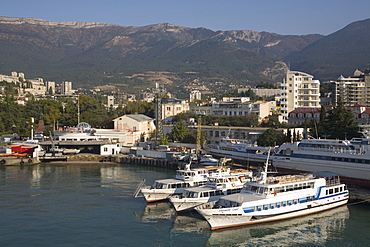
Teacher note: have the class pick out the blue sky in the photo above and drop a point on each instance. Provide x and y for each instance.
(277, 16)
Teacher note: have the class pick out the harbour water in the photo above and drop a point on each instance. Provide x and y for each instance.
(92, 204)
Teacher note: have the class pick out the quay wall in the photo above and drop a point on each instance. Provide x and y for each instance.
(126, 159)
(14, 161)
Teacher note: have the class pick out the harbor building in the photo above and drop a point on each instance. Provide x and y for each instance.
(299, 90)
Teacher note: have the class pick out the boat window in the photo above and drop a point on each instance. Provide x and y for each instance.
(261, 190)
(254, 189)
(265, 206)
(311, 185)
(272, 205)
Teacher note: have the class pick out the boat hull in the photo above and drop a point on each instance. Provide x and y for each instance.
(154, 195)
(351, 173)
(189, 203)
(237, 218)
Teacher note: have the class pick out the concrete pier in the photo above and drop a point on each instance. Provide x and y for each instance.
(15, 161)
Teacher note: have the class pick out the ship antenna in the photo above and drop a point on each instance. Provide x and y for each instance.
(264, 173)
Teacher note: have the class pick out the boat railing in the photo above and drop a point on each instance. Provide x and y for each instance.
(138, 189)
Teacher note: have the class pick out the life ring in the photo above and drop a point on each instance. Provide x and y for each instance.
(2, 161)
(29, 161)
(233, 184)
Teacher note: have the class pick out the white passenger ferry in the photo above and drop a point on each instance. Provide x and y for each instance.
(349, 159)
(276, 198)
(163, 188)
(237, 149)
(216, 186)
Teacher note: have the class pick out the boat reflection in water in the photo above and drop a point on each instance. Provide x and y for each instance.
(156, 211)
(313, 229)
(190, 223)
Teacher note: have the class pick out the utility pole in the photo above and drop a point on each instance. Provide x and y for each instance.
(78, 109)
(199, 129)
(158, 111)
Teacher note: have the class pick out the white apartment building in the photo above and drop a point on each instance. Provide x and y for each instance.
(195, 95)
(299, 90)
(66, 88)
(352, 90)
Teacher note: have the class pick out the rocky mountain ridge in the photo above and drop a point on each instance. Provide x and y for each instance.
(91, 53)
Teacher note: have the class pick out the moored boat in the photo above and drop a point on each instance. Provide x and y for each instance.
(208, 160)
(185, 178)
(350, 160)
(276, 198)
(239, 150)
(215, 187)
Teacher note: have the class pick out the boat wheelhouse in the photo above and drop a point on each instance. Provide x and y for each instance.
(276, 198)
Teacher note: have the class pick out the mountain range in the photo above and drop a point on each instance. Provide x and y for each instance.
(134, 58)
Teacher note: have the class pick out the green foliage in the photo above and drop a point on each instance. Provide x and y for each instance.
(272, 137)
(179, 132)
(268, 85)
(163, 140)
(338, 123)
(137, 107)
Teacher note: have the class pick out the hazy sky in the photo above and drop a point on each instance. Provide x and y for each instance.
(277, 16)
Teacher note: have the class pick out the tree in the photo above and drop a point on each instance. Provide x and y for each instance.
(340, 123)
(179, 132)
(271, 137)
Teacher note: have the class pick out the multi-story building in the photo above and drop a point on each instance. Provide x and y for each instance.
(172, 107)
(299, 90)
(352, 90)
(14, 77)
(236, 108)
(195, 95)
(50, 87)
(66, 88)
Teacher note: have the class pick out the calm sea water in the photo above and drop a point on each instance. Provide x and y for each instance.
(81, 204)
